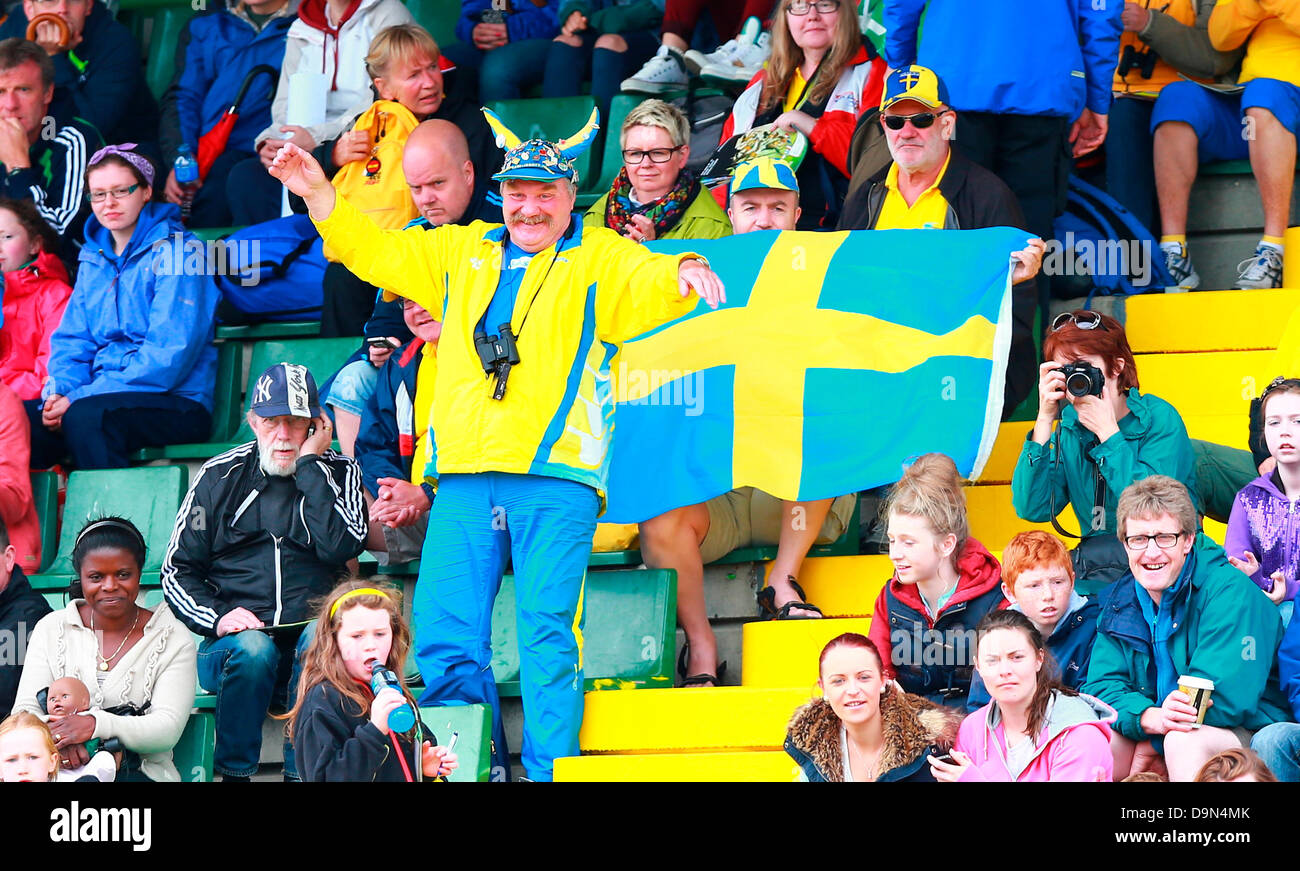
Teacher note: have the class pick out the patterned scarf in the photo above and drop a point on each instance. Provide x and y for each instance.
(664, 212)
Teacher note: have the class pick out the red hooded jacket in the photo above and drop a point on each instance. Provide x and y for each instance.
(979, 575)
(34, 299)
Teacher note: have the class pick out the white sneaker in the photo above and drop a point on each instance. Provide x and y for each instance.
(664, 72)
(1262, 271)
(697, 60)
(743, 63)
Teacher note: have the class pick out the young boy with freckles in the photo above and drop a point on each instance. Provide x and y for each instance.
(1038, 580)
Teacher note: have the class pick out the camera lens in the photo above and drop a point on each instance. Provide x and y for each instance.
(1078, 384)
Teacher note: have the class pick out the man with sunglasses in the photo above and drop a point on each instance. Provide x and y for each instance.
(930, 185)
(1181, 611)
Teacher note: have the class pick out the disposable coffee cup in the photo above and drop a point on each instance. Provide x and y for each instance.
(1197, 689)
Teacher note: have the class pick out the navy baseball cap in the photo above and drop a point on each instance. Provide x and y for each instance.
(286, 388)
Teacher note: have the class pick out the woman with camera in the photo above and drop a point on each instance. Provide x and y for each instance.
(1109, 435)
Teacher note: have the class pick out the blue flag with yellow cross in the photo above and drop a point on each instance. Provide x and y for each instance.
(836, 358)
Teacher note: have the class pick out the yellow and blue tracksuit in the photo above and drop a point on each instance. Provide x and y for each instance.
(523, 478)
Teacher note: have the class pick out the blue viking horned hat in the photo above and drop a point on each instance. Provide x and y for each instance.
(537, 159)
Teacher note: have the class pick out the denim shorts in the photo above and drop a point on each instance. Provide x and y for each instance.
(353, 385)
(1217, 118)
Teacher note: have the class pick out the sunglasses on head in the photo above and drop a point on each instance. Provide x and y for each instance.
(920, 120)
(1082, 320)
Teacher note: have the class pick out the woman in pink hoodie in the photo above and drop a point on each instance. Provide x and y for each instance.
(1035, 729)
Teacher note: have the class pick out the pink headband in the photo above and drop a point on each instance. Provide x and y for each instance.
(139, 161)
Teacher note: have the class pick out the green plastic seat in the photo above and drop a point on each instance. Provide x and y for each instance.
(611, 160)
(270, 330)
(553, 118)
(149, 497)
(226, 396)
(438, 17)
(628, 639)
(473, 725)
(193, 753)
(45, 496)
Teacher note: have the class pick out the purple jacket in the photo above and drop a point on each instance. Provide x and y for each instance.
(1267, 524)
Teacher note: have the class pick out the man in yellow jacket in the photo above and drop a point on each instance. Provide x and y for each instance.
(533, 312)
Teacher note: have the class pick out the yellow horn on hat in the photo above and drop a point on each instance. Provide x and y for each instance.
(505, 138)
(570, 147)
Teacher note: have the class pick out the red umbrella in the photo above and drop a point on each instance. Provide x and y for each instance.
(212, 143)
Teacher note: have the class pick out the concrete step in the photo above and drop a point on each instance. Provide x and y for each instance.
(844, 586)
(1207, 383)
(1220, 320)
(783, 653)
(760, 766)
(728, 718)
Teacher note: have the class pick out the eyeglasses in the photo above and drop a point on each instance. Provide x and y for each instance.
(920, 120)
(632, 156)
(1082, 320)
(801, 7)
(1163, 540)
(115, 193)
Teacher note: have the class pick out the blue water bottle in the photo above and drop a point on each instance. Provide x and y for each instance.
(401, 719)
(187, 176)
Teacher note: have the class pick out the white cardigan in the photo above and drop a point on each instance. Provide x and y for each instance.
(160, 669)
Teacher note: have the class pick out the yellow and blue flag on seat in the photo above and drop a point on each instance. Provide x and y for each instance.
(837, 357)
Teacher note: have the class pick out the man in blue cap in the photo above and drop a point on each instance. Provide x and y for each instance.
(533, 312)
(266, 529)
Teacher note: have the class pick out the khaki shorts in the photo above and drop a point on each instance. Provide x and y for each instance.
(751, 518)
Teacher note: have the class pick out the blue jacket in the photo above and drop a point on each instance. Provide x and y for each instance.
(1288, 667)
(215, 52)
(136, 323)
(1020, 57)
(1070, 645)
(385, 446)
(525, 22)
(101, 81)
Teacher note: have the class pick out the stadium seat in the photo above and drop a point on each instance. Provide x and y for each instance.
(45, 496)
(553, 118)
(193, 753)
(226, 398)
(157, 26)
(629, 638)
(473, 727)
(611, 160)
(438, 17)
(270, 330)
(149, 497)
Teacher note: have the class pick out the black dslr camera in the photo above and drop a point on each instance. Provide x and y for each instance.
(1082, 379)
(497, 354)
(1144, 60)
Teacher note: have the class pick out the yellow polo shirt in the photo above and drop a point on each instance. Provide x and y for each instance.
(927, 213)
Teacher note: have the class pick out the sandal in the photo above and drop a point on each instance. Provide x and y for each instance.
(697, 680)
(767, 604)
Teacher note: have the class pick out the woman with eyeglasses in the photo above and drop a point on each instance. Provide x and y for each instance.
(654, 195)
(1108, 436)
(132, 363)
(820, 78)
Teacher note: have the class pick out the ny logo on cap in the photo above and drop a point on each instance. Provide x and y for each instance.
(263, 391)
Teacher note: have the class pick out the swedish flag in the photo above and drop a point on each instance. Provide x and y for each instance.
(837, 357)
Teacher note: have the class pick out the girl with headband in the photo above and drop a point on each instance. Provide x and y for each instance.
(340, 729)
(138, 663)
(132, 363)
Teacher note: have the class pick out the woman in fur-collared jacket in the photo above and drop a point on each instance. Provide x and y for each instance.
(865, 728)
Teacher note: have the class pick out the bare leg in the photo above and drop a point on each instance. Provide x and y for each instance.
(800, 524)
(1176, 160)
(674, 41)
(346, 427)
(1186, 752)
(1272, 158)
(672, 541)
(375, 531)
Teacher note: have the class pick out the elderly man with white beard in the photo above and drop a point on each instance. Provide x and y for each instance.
(266, 528)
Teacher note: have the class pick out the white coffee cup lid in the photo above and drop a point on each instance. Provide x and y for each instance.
(1196, 683)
